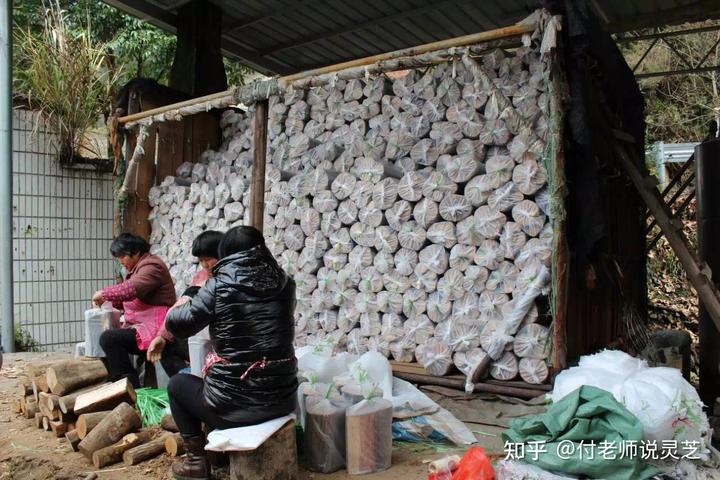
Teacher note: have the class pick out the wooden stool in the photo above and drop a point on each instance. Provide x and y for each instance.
(276, 459)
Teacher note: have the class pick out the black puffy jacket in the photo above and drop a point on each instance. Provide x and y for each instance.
(249, 304)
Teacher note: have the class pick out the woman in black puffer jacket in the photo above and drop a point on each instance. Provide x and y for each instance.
(251, 376)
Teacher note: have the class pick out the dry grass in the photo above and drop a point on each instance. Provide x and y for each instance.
(67, 77)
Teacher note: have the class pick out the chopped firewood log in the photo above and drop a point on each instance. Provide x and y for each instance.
(39, 419)
(67, 402)
(105, 397)
(87, 421)
(59, 428)
(122, 420)
(168, 423)
(146, 451)
(114, 453)
(174, 445)
(64, 378)
(73, 439)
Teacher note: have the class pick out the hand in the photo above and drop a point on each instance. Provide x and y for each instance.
(97, 298)
(155, 350)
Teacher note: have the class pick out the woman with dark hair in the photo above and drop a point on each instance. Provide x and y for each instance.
(252, 375)
(145, 297)
(205, 248)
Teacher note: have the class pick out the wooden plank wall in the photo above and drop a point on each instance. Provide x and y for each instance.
(176, 143)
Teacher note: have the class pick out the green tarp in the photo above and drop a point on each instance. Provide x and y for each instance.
(586, 433)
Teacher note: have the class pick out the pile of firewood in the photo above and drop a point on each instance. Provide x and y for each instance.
(412, 212)
(72, 399)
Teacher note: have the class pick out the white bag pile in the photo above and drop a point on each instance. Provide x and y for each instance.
(408, 211)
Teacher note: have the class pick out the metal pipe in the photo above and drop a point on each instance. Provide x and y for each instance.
(6, 194)
(707, 161)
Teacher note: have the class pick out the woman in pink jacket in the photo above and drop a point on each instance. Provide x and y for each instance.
(145, 296)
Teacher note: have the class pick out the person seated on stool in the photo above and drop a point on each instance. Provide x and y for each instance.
(251, 377)
(145, 297)
(205, 248)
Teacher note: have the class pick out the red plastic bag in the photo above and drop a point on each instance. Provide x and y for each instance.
(475, 465)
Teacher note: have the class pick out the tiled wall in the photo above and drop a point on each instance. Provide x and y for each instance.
(62, 229)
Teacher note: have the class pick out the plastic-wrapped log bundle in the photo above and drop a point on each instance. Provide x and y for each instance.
(435, 357)
(467, 363)
(533, 370)
(505, 368)
(369, 436)
(532, 341)
(325, 434)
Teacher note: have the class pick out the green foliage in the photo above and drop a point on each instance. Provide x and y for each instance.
(140, 48)
(24, 342)
(66, 75)
(678, 108)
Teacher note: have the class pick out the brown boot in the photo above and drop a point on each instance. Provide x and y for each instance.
(195, 465)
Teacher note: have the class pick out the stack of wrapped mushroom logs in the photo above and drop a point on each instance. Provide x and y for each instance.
(411, 211)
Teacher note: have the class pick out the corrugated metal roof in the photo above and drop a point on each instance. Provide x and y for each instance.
(287, 36)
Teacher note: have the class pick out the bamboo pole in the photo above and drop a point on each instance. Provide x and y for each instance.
(264, 89)
(498, 33)
(258, 174)
(176, 106)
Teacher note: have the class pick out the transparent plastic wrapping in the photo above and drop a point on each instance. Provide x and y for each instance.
(325, 434)
(369, 436)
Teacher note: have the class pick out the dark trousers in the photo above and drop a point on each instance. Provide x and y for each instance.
(119, 343)
(188, 406)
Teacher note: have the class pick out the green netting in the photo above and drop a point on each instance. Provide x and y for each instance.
(153, 404)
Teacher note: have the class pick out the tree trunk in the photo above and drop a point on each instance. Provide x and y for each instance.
(73, 439)
(105, 398)
(145, 452)
(46, 424)
(174, 445)
(25, 388)
(369, 437)
(122, 420)
(114, 453)
(64, 378)
(87, 421)
(276, 459)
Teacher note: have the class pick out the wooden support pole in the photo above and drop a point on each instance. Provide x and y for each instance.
(560, 242)
(258, 174)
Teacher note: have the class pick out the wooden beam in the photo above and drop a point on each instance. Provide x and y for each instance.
(258, 174)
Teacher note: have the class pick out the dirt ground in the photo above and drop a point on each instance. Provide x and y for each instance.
(27, 453)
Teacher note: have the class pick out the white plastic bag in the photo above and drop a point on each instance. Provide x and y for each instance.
(97, 320)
